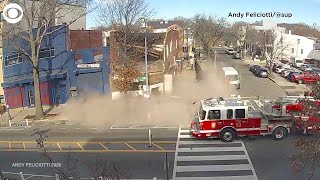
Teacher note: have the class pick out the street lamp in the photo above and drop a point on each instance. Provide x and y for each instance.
(147, 95)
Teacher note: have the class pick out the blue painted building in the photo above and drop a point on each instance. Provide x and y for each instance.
(62, 75)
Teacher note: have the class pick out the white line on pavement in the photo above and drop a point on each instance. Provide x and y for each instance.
(135, 126)
(214, 168)
(258, 103)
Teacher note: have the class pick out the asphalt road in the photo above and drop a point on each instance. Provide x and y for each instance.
(129, 165)
(250, 84)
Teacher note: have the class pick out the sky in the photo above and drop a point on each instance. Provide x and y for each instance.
(306, 11)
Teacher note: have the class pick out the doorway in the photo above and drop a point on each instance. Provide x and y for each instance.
(31, 98)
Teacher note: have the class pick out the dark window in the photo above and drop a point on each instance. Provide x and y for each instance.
(202, 114)
(46, 53)
(301, 51)
(292, 50)
(298, 41)
(240, 113)
(229, 113)
(214, 114)
(13, 60)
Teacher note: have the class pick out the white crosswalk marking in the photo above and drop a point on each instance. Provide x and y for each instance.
(202, 159)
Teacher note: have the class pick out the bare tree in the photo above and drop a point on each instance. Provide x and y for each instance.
(307, 156)
(126, 40)
(275, 44)
(27, 36)
(208, 30)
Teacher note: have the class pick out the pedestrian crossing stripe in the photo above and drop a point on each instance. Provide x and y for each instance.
(197, 159)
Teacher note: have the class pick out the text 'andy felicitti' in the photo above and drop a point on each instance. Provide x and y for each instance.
(260, 14)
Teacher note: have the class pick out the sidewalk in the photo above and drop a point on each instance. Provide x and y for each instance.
(19, 115)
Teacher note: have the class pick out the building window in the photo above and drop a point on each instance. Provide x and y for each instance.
(240, 113)
(292, 50)
(301, 51)
(298, 41)
(13, 60)
(46, 53)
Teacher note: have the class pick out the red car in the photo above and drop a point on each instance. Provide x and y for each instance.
(306, 77)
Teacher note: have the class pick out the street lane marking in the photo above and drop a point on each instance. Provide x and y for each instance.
(135, 128)
(207, 158)
(130, 146)
(90, 151)
(157, 146)
(198, 141)
(218, 178)
(59, 146)
(214, 168)
(80, 146)
(185, 130)
(258, 103)
(104, 146)
(210, 149)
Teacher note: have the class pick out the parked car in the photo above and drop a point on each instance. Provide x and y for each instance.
(275, 66)
(306, 77)
(262, 72)
(279, 69)
(286, 72)
(253, 68)
(257, 70)
(293, 75)
(231, 51)
(306, 67)
(236, 56)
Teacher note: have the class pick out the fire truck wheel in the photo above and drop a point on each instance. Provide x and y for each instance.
(279, 133)
(227, 135)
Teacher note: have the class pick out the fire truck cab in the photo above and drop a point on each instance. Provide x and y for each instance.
(230, 118)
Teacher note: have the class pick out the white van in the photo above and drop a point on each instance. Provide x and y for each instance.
(232, 76)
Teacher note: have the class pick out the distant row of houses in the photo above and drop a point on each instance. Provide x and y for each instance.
(74, 61)
(295, 47)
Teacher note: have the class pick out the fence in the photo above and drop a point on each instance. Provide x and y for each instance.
(15, 124)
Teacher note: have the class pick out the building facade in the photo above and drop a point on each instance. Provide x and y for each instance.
(292, 46)
(64, 72)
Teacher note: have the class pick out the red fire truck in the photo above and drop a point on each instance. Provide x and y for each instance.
(228, 118)
(293, 106)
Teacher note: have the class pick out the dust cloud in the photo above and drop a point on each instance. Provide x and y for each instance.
(162, 110)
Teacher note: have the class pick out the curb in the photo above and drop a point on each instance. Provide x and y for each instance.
(286, 91)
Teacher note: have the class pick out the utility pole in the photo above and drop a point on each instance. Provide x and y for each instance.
(146, 58)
